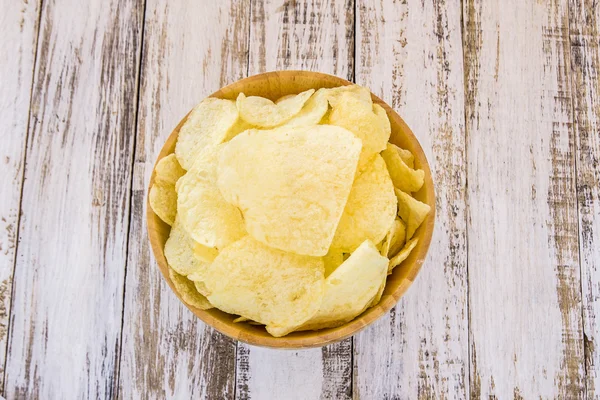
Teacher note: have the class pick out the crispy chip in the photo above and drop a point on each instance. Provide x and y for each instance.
(350, 288)
(358, 92)
(291, 184)
(281, 290)
(412, 212)
(397, 237)
(312, 112)
(403, 254)
(207, 125)
(187, 291)
(264, 113)
(377, 297)
(200, 286)
(204, 253)
(404, 178)
(332, 260)
(205, 214)
(163, 200)
(168, 169)
(162, 197)
(370, 210)
(240, 319)
(407, 157)
(179, 252)
(383, 119)
(358, 117)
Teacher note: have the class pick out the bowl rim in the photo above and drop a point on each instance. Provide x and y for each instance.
(306, 339)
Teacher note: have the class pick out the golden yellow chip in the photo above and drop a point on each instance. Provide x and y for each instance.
(370, 210)
(332, 260)
(187, 291)
(358, 92)
(377, 297)
(350, 288)
(240, 319)
(264, 113)
(403, 254)
(168, 169)
(281, 290)
(358, 117)
(291, 184)
(383, 119)
(312, 112)
(412, 212)
(207, 125)
(404, 178)
(205, 214)
(407, 157)
(163, 201)
(397, 237)
(200, 286)
(179, 252)
(163, 198)
(204, 253)
(394, 239)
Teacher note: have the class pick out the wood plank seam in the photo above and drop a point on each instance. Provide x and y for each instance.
(140, 51)
(467, 208)
(575, 162)
(24, 161)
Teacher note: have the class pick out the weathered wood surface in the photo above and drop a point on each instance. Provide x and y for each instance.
(315, 35)
(191, 49)
(503, 96)
(64, 337)
(18, 30)
(525, 324)
(420, 350)
(584, 20)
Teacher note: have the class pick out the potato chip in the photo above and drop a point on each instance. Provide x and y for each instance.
(312, 112)
(350, 288)
(237, 128)
(281, 290)
(332, 260)
(168, 169)
(404, 178)
(407, 157)
(403, 254)
(360, 93)
(179, 252)
(162, 197)
(207, 125)
(377, 297)
(358, 117)
(370, 210)
(383, 119)
(397, 237)
(163, 201)
(412, 212)
(396, 233)
(204, 253)
(205, 214)
(240, 319)
(200, 286)
(264, 113)
(188, 293)
(291, 184)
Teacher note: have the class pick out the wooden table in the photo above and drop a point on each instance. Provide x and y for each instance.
(504, 96)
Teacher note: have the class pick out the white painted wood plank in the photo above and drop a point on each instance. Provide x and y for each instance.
(584, 26)
(191, 48)
(410, 53)
(311, 35)
(66, 317)
(18, 37)
(524, 282)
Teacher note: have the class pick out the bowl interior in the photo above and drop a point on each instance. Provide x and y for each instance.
(273, 85)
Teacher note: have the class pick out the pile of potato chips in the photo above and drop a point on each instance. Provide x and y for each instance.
(290, 213)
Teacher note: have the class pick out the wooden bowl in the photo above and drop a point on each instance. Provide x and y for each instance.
(273, 85)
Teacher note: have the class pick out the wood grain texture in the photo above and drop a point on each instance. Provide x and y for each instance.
(18, 38)
(314, 35)
(68, 285)
(526, 336)
(420, 350)
(584, 27)
(191, 48)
